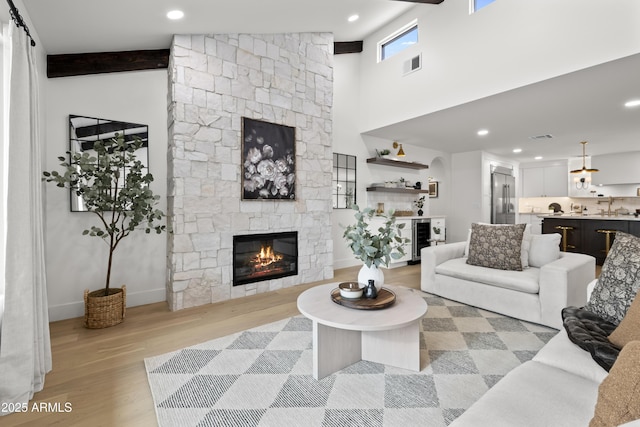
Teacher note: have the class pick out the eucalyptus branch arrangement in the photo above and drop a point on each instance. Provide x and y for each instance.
(419, 203)
(113, 185)
(375, 247)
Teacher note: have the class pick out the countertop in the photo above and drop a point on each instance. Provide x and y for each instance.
(591, 216)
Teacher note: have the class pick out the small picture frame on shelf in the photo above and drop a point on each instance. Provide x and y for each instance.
(433, 189)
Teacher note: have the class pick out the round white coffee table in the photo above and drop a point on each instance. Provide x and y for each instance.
(343, 336)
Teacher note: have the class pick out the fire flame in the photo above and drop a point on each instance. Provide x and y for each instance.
(266, 256)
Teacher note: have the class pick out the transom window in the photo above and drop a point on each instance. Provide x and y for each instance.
(398, 41)
(479, 4)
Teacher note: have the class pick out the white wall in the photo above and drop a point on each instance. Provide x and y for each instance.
(471, 190)
(506, 45)
(348, 140)
(75, 262)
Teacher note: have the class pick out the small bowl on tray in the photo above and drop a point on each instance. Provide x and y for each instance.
(351, 290)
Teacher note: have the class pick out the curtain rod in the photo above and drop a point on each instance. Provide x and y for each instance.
(17, 18)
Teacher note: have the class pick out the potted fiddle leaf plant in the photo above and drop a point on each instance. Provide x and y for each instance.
(114, 185)
(375, 247)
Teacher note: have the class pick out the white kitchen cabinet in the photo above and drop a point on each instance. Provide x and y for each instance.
(534, 220)
(547, 181)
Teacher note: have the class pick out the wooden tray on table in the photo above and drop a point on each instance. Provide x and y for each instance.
(385, 299)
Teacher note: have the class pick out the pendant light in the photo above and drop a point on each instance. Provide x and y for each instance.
(584, 156)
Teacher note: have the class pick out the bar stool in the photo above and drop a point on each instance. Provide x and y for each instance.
(607, 234)
(565, 229)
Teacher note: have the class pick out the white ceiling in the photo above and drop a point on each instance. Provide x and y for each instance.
(80, 26)
(585, 105)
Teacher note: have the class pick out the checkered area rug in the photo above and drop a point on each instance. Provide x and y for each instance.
(263, 376)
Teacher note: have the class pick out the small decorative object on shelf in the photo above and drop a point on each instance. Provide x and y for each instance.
(383, 153)
(370, 291)
(419, 203)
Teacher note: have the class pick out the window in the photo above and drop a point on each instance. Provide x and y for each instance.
(344, 181)
(398, 41)
(479, 4)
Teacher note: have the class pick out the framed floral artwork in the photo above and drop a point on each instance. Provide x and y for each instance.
(269, 160)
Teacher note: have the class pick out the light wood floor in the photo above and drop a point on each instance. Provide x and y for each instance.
(101, 372)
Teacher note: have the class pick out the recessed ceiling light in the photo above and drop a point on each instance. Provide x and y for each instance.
(483, 132)
(517, 150)
(353, 18)
(537, 158)
(632, 103)
(175, 14)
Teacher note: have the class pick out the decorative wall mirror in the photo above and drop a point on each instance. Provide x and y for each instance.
(344, 181)
(85, 131)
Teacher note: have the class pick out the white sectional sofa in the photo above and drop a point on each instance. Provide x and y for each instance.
(588, 374)
(536, 294)
(560, 386)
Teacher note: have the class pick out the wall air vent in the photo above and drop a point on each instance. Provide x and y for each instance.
(411, 65)
(546, 136)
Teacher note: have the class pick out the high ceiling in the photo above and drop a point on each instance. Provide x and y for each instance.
(81, 26)
(585, 105)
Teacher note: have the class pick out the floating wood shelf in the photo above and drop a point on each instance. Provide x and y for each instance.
(396, 163)
(398, 190)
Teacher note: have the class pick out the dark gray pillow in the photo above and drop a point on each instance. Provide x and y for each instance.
(496, 246)
(619, 280)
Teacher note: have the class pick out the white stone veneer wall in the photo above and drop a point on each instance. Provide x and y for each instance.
(214, 81)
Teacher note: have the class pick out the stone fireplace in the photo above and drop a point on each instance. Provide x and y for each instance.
(215, 81)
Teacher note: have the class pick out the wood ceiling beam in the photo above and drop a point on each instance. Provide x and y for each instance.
(80, 64)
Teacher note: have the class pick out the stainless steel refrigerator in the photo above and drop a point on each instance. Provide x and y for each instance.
(503, 196)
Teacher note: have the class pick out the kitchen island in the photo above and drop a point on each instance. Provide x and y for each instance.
(587, 234)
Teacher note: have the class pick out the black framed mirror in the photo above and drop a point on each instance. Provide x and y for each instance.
(85, 131)
(344, 181)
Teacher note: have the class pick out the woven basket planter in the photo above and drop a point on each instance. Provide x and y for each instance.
(103, 311)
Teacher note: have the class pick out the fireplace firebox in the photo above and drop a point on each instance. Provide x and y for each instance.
(258, 257)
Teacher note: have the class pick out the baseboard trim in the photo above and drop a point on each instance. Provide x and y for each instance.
(76, 308)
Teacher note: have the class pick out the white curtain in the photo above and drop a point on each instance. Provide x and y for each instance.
(25, 348)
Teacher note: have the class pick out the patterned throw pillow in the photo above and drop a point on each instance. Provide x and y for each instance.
(496, 246)
(619, 280)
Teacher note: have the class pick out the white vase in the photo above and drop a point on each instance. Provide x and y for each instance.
(371, 273)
